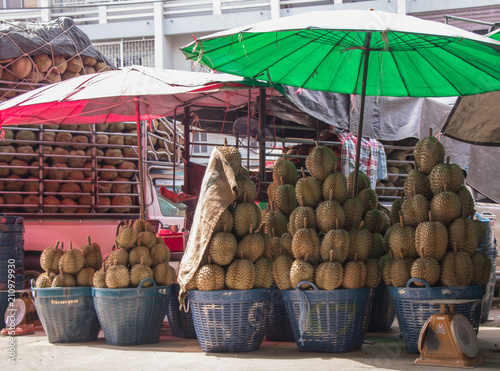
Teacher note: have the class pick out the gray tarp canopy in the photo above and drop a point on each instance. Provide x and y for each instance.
(474, 120)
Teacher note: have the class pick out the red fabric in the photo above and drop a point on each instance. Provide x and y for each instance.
(174, 197)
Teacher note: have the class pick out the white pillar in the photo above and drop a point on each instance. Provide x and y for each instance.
(103, 14)
(217, 7)
(159, 32)
(45, 11)
(335, 2)
(402, 7)
(275, 9)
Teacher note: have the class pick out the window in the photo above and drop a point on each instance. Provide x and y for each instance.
(200, 138)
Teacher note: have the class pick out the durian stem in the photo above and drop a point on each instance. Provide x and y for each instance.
(62, 245)
(70, 245)
(306, 256)
(305, 223)
(57, 244)
(88, 239)
(401, 219)
(225, 142)
(225, 227)
(115, 262)
(355, 257)
(272, 233)
(281, 180)
(250, 229)
(447, 160)
(391, 254)
(245, 197)
(401, 254)
(209, 259)
(430, 216)
(361, 225)
(330, 198)
(331, 256)
(455, 249)
(301, 200)
(484, 249)
(337, 223)
(303, 172)
(430, 132)
(463, 212)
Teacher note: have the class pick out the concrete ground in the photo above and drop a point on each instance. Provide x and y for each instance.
(34, 352)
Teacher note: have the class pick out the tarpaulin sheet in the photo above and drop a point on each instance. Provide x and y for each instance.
(59, 37)
(218, 191)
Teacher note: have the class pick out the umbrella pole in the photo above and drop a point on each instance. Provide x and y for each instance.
(366, 52)
(139, 149)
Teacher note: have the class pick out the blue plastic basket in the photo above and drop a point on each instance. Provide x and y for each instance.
(67, 314)
(328, 321)
(413, 311)
(11, 224)
(490, 291)
(278, 327)
(383, 311)
(230, 320)
(132, 316)
(181, 322)
(489, 221)
(4, 303)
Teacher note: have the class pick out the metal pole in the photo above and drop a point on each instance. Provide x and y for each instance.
(366, 54)
(175, 148)
(262, 134)
(187, 147)
(248, 129)
(141, 159)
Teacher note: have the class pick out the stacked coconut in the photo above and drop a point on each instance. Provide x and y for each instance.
(28, 71)
(69, 268)
(326, 236)
(434, 237)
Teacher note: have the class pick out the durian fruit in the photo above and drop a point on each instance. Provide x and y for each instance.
(480, 230)
(321, 162)
(386, 266)
(446, 177)
(354, 274)
(285, 171)
(284, 198)
(463, 234)
(369, 199)
(99, 279)
(427, 269)
(251, 247)
(482, 268)
(92, 254)
(306, 241)
(397, 204)
(138, 272)
(159, 253)
(138, 254)
(271, 190)
(246, 215)
(117, 276)
(431, 239)
(392, 173)
(297, 218)
(466, 201)
(373, 273)
(329, 214)
(402, 240)
(276, 220)
(49, 260)
(428, 153)
(44, 280)
(417, 182)
(210, 277)
(64, 280)
(127, 237)
(163, 274)
(335, 245)
(120, 255)
(226, 219)
(232, 156)
(363, 181)
(378, 247)
(240, 275)
(375, 221)
(139, 226)
(301, 270)
(147, 239)
(223, 246)
(148, 227)
(263, 273)
(272, 245)
(281, 272)
(415, 210)
(336, 182)
(308, 191)
(72, 261)
(400, 271)
(360, 243)
(85, 277)
(445, 207)
(329, 274)
(353, 211)
(457, 269)
(245, 186)
(286, 243)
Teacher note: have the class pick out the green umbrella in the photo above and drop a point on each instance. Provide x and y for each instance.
(356, 52)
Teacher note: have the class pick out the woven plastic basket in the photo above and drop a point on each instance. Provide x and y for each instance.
(383, 311)
(67, 314)
(412, 312)
(181, 322)
(230, 320)
(278, 327)
(328, 321)
(132, 316)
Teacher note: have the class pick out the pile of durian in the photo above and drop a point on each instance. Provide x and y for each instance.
(330, 239)
(434, 236)
(139, 254)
